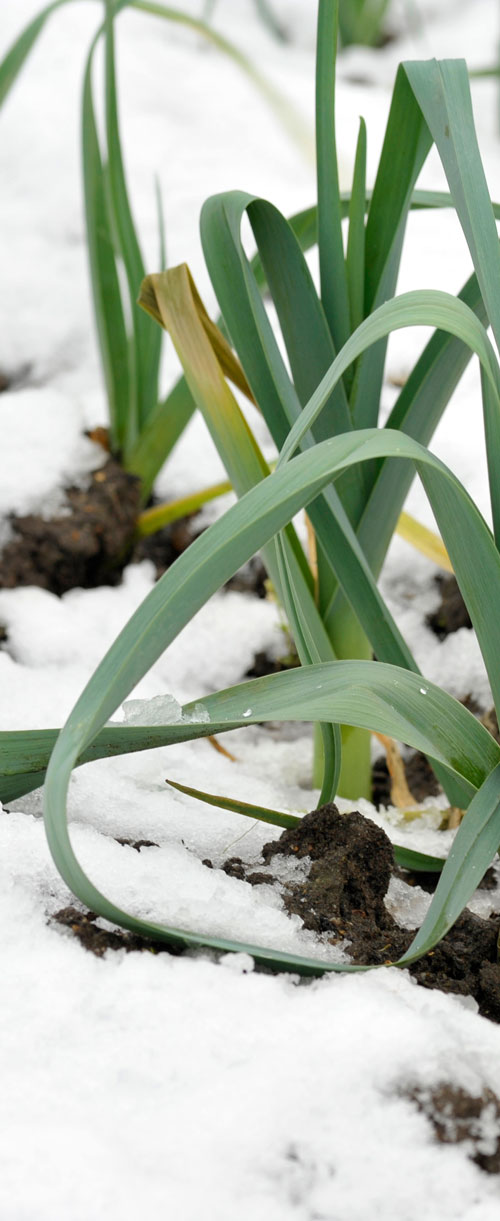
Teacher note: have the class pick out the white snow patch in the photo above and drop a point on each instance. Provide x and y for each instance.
(43, 450)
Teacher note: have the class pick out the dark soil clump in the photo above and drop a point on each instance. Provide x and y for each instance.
(86, 547)
(234, 868)
(98, 940)
(135, 843)
(457, 1116)
(342, 898)
(259, 878)
(452, 612)
(351, 868)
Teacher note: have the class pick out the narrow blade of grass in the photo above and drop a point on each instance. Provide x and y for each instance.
(407, 858)
(108, 309)
(407, 143)
(355, 255)
(145, 339)
(405, 148)
(334, 292)
(18, 53)
(274, 817)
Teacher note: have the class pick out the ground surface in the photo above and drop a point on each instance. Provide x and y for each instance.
(141, 1083)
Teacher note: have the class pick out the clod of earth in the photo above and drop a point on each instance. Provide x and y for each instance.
(135, 843)
(342, 899)
(98, 940)
(351, 865)
(86, 547)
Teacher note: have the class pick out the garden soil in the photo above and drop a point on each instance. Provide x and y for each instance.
(351, 863)
(342, 900)
(92, 540)
(86, 546)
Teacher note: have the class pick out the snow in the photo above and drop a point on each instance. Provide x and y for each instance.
(147, 1084)
(37, 422)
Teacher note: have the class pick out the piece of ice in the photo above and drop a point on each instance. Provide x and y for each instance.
(161, 710)
(290, 868)
(407, 904)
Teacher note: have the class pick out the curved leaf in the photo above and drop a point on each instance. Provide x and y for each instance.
(410, 707)
(17, 54)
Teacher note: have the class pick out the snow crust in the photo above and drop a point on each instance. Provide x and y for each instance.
(185, 1087)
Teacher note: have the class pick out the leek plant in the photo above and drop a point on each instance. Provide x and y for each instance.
(143, 425)
(361, 513)
(349, 474)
